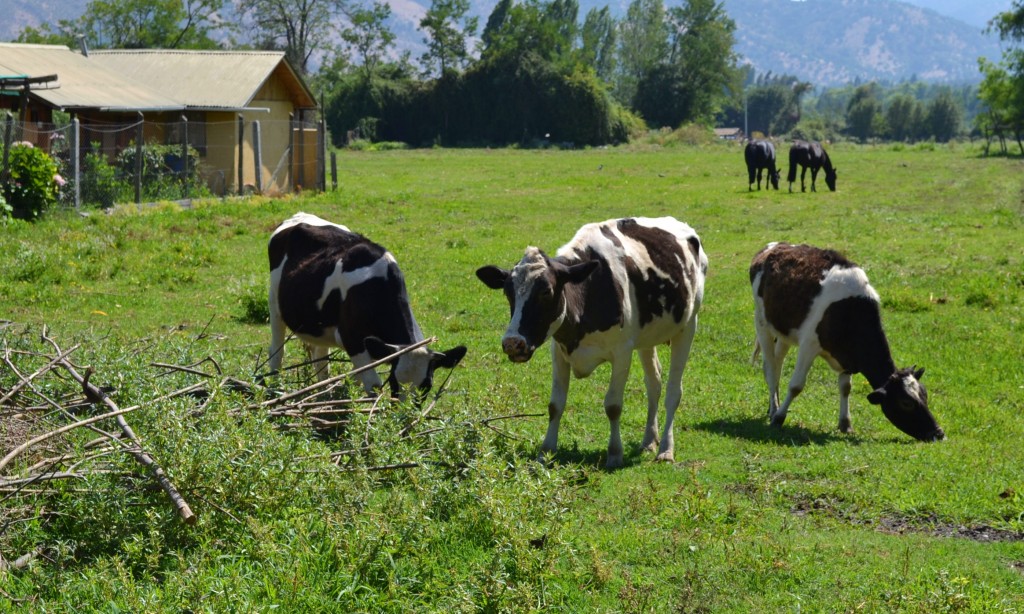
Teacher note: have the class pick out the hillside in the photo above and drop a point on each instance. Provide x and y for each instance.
(826, 42)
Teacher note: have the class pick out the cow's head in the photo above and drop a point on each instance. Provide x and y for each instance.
(830, 178)
(904, 402)
(414, 368)
(534, 289)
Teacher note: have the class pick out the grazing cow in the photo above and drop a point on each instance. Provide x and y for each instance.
(810, 155)
(335, 288)
(618, 286)
(760, 156)
(821, 302)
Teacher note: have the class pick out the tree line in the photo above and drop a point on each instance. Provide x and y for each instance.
(538, 71)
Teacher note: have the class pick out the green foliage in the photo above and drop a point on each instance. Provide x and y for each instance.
(31, 187)
(100, 184)
(6, 210)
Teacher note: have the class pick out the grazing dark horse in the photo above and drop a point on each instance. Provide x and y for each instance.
(812, 156)
(760, 155)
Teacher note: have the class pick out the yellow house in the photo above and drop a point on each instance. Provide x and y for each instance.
(225, 104)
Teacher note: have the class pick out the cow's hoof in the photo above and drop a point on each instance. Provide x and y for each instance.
(666, 457)
(650, 446)
(614, 462)
(777, 421)
(845, 426)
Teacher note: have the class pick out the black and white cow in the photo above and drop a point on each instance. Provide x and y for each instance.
(336, 288)
(619, 286)
(821, 302)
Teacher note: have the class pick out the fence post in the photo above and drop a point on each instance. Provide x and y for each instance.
(76, 160)
(291, 151)
(302, 146)
(257, 155)
(184, 154)
(138, 161)
(321, 153)
(8, 136)
(334, 171)
(241, 154)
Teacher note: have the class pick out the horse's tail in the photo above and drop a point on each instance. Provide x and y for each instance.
(792, 165)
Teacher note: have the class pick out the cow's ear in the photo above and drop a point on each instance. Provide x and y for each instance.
(449, 358)
(494, 277)
(578, 272)
(919, 373)
(876, 396)
(378, 349)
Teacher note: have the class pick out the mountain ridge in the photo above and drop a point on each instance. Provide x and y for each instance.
(852, 40)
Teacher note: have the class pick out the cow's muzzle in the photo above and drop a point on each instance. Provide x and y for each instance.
(517, 349)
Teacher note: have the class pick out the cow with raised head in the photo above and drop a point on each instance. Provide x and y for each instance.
(617, 287)
(335, 288)
(760, 157)
(822, 303)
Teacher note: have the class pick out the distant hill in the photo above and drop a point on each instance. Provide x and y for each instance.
(826, 42)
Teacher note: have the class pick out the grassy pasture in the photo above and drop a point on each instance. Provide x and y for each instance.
(746, 519)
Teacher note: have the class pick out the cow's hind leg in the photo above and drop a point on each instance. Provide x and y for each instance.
(277, 335)
(803, 176)
(681, 345)
(318, 357)
(652, 381)
(804, 358)
(773, 352)
(613, 406)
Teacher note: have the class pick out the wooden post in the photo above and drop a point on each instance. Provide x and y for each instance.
(184, 155)
(302, 147)
(76, 160)
(138, 161)
(257, 155)
(8, 139)
(291, 151)
(334, 171)
(241, 144)
(321, 155)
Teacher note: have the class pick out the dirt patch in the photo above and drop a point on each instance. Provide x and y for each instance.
(900, 525)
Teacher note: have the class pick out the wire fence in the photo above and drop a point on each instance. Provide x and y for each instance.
(105, 163)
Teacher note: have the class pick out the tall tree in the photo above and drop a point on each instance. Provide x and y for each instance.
(368, 36)
(1002, 89)
(864, 112)
(495, 22)
(136, 24)
(300, 28)
(643, 43)
(598, 39)
(944, 116)
(900, 116)
(448, 29)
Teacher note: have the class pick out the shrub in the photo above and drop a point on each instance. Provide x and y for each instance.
(100, 185)
(6, 211)
(32, 186)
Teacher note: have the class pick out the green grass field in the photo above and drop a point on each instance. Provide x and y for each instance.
(747, 518)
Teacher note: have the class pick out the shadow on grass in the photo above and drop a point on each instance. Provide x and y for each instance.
(597, 457)
(758, 430)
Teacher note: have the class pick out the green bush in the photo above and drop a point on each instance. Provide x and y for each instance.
(100, 183)
(6, 211)
(32, 186)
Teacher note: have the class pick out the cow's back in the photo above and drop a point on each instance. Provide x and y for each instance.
(652, 274)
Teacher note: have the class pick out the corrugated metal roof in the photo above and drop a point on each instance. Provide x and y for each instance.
(152, 80)
(81, 83)
(204, 79)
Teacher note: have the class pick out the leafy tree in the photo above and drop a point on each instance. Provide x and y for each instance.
(900, 117)
(943, 117)
(300, 28)
(1002, 89)
(446, 39)
(136, 24)
(643, 43)
(368, 36)
(495, 22)
(563, 15)
(864, 112)
(598, 40)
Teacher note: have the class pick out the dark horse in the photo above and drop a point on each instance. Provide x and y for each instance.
(814, 157)
(760, 155)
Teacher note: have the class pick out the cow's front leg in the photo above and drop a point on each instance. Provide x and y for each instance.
(613, 406)
(559, 394)
(652, 380)
(845, 424)
(369, 378)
